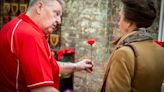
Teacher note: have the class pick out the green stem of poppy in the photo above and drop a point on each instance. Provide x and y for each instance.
(91, 52)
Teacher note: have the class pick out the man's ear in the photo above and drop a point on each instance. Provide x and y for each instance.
(39, 7)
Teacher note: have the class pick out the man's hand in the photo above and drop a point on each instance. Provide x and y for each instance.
(85, 64)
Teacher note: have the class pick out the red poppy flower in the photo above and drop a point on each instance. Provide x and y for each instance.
(62, 52)
(160, 43)
(91, 41)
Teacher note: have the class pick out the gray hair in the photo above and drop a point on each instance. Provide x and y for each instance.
(33, 2)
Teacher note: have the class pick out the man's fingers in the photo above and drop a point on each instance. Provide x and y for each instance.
(88, 70)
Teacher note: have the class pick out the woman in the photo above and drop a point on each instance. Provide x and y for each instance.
(137, 63)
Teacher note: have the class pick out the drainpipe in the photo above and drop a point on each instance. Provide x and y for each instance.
(161, 26)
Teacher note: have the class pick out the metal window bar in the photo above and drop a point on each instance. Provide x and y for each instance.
(161, 31)
(161, 23)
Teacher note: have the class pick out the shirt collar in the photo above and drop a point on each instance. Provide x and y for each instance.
(25, 18)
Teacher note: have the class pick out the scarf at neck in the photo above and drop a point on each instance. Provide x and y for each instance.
(140, 35)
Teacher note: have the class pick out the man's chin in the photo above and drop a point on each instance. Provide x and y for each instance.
(50, 31)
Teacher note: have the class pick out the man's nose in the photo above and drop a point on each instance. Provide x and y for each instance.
(58, 20)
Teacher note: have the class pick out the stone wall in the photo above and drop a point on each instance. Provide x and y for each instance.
(83, 20)
(92, 19)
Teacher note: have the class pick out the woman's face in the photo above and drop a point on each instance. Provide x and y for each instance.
(123, 24)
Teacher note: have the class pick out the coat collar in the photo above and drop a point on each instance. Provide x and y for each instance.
(137, 35)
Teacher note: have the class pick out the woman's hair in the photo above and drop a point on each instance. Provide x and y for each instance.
(142, 12)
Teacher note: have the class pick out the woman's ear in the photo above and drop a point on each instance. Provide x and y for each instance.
(131, 26)
(39, 7)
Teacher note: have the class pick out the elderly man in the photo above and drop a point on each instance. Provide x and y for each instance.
(26, 62)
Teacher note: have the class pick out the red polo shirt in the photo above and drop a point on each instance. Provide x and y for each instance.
(25, 58)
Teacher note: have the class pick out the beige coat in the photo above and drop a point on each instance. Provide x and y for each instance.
(124, 75)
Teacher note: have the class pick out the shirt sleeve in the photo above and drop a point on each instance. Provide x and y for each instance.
(121, 71)
(34, 62)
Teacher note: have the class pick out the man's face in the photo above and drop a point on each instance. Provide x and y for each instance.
(51, 16)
